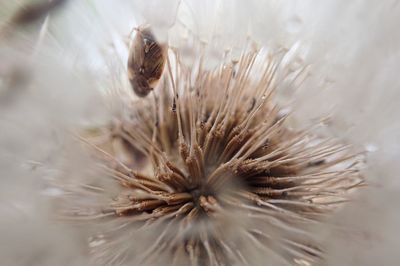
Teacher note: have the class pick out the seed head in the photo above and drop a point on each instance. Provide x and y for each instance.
(209, 173)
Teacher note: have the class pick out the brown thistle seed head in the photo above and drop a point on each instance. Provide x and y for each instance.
(224, 182)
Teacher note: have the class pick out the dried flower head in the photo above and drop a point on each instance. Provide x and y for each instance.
(209, 173)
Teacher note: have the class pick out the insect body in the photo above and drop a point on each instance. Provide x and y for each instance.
(146, 62)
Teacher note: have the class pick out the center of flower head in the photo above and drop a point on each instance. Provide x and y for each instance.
(218, 148)
(201, 197)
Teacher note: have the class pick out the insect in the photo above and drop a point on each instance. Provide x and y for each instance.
(146, 61)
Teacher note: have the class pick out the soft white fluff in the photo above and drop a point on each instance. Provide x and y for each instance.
(351, 48)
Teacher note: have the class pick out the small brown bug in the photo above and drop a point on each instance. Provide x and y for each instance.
(146, 61)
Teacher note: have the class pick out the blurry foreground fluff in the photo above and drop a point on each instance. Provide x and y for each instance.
(243, 153)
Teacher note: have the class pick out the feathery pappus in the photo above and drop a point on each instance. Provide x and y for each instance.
(223, 180)
(29, 14)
